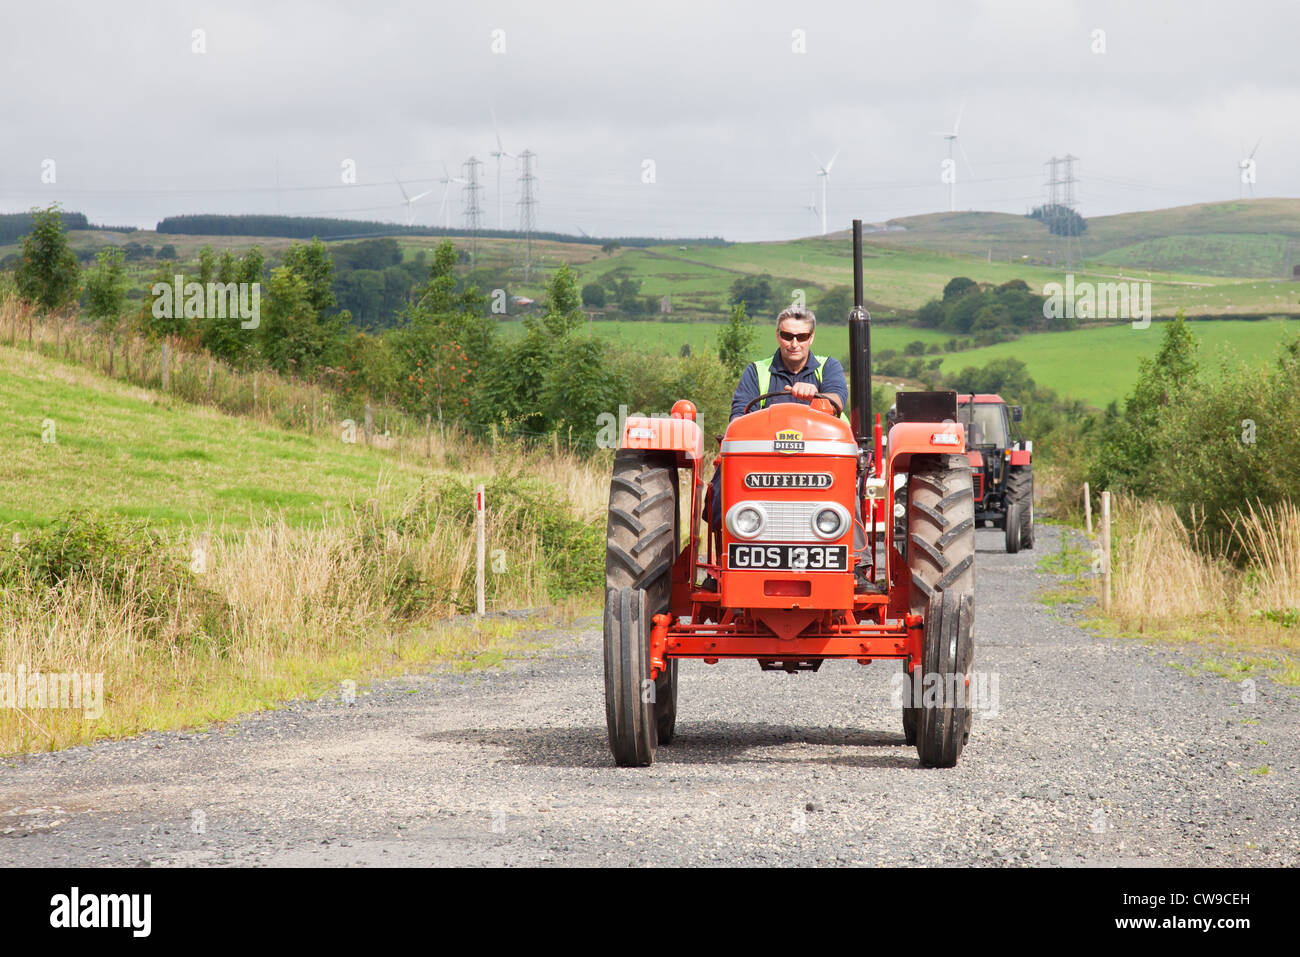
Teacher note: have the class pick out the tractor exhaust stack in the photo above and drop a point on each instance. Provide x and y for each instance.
(859, 353)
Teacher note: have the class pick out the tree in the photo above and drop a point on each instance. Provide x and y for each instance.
(208, 265)
(609, 247)
(1060, 220)
(593, 295)
(106, 295)
(312, 263)
(167, 252)
(736, 341)
(1128, 454)
(958, 286)
(294, 338)
(225, 336)
(106, 289)
(754, 292)
(563, 305)
(47, 269)
(914, 348)
(578, 387)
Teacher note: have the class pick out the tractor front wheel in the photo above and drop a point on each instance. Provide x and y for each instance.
(941, 558)
(1013, 528)
(641, 544)
(629, 692)
(943, 725)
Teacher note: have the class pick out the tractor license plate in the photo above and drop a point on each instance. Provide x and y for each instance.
(788, 558)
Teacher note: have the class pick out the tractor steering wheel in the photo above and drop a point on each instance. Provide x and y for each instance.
(769, 395)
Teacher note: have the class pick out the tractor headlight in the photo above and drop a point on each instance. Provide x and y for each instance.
(830, 521)
(746, 520)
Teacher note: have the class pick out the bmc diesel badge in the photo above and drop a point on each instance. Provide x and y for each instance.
(788, 440)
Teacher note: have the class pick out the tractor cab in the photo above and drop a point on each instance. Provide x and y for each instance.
(1000, 466)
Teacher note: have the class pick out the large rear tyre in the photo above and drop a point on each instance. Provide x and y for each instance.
(941, 558)
(1020, 489)
(1013, 527)
(629, 692)
(641, 544)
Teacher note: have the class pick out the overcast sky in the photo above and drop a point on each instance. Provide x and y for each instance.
(140, 127)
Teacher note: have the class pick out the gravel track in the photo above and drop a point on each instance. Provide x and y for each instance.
(1099, 754)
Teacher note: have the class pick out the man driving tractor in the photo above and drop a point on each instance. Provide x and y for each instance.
(793, 369)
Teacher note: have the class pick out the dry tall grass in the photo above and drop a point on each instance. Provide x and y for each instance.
(1163, 577)
(263, 614)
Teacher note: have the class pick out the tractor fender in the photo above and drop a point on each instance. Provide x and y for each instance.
(916, 438)
(659, 434)
(1020, 456)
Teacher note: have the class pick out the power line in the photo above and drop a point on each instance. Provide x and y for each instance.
(473, 210)
(527, 208)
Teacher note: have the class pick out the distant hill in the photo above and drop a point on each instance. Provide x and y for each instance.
(306, 227)
(1256, 238)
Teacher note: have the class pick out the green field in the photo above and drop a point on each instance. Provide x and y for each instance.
(698, 280)
(127, 451)
(1099, 365)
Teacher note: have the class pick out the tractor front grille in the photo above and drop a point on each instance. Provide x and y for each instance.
(789, 522)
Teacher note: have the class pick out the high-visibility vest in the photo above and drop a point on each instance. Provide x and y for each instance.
(764, 371)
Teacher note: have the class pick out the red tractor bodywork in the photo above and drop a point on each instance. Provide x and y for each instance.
(789, 616)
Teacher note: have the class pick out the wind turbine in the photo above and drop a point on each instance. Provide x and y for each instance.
(446, 181)
(824, 171)
(1247, 168)
(410, 200)
(499, 152)
(951, 137)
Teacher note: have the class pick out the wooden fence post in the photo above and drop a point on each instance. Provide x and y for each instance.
(1087, 507)
(166, 366)
(480, 533)
(255, 393)
(314, 395)
(1105, 551)
(428, 435)
(370, 422)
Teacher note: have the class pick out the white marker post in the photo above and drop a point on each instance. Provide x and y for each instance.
(480, 529)
(1105, 551)
(1087, 506)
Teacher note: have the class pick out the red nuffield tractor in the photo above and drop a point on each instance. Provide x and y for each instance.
(792, 577)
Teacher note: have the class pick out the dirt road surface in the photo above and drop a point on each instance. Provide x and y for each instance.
(1098, 752)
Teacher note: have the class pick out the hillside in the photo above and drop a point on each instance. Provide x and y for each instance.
(1211, 260)
(1246, 238)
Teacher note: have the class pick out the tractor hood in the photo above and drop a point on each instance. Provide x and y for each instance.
(790, 428)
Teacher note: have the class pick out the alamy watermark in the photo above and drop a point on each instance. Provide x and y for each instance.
(979, 693)
(219, 300)
(53, 690)
(664, 428)
(1101, 300)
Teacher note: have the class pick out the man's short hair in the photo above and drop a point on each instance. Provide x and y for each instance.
(802, 313)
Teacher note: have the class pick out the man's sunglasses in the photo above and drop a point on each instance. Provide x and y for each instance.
(792, 336)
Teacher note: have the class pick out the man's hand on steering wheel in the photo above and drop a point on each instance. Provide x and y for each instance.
(804, 391)
(807, 391)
